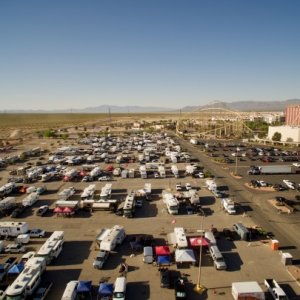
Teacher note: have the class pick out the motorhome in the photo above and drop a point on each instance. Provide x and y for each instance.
(70, 175)
(7, 189)
(131, 173)
(115, 236)
(67, 193)
(95, 172)
(30, 199)
(162, 171)
(13, 229)
(7, 203)
(28, 280)
(119, 289)
(180, 237)
(174, 170)
(143, 172)
(171, 203)
(88, 192)
(129, 205)
(52, 247)
(210, 184)
(228, 206)
(106, 192)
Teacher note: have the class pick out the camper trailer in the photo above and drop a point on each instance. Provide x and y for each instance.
(129, 205)
(13, 229)
(30, 199)
(180, 237)
(113, 237)
(88, 192)
(171, 203)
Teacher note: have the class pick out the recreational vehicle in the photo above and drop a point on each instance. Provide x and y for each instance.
(52, 247)
(13, 229)
(115, 236)
(129, 205)
(28, 280)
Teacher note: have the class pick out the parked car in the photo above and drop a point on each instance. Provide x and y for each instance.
(188, 186)
(36, 233)
(42, 210)
(100, 259)
(15, 248)
(17, 212)
(289, 184)
(104, 178)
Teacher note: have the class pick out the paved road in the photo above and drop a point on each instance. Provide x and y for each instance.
(285, 228)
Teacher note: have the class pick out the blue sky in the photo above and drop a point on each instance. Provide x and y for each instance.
(73, 54)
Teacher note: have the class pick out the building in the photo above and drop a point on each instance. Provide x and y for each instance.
(292, 115)
(288, 133)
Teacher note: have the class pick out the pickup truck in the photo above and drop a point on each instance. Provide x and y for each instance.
(6, 266)
(275, 290)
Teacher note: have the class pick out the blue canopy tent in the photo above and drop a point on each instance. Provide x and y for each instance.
(16, 269)
(83, 288)
(163, 260)
(105, 290)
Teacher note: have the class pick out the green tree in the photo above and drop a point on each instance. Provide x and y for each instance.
(276, 137)
(49, 133)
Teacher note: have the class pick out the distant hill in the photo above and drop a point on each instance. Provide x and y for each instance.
(248, 105)
(97, 109)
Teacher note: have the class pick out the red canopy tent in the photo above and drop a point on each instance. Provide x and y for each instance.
(162, 250)
(198, 241)
(58, 210)
(67, 210)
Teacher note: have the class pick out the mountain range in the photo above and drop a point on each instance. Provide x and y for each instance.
(237, 106)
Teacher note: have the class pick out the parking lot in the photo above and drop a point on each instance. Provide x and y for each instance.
(246, 261)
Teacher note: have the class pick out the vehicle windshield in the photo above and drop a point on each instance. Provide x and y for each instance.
(180, 294)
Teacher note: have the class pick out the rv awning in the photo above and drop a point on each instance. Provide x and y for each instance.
(163, 260)
(16, 269)
(162, 250)
(105, 289)
(198, 241)
(84, 287)
(184, 255)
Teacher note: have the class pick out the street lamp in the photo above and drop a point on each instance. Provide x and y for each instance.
(200, 288)
(236, 160)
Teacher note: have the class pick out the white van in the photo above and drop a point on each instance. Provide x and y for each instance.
(148, 255)
(119, 288)
(218, 258)
(70, 291)
(23, 238)
(211, 238)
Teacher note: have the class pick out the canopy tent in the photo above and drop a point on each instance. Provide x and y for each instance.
(162, 250)
(198, 241)
(84, 287)
(58, 210)
(105, 289)
(184, 255)
(163, 260)
(67, 210)
(16, 269)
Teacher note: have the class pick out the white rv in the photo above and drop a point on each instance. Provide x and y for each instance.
(13, 229)
(180, 237)
(67, 193)
(28, 280)
(115, 236)
(70, 290)
(174, 170)
(162, 171)
(52, 247)
(7, 203)
(143, 171)
(129, 205)
(95, 172)
(228, 206)
(30, 199)
(88, 192)
(106, 192)
(171, 203)
(7, 188)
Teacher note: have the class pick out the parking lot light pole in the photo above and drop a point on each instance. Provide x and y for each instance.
(200, 288)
